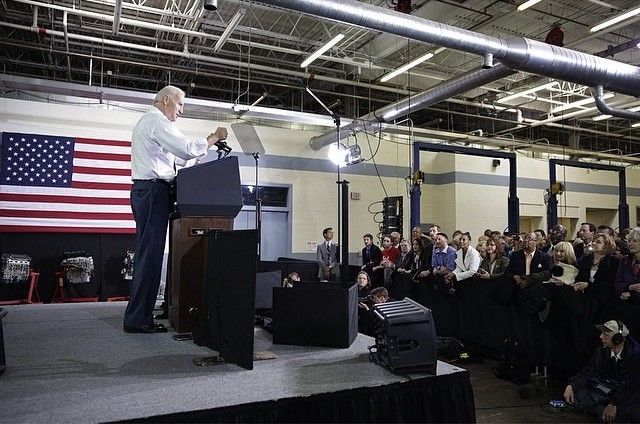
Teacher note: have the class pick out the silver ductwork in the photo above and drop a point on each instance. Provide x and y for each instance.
(519, 54)
(441, 92)
(604, 108)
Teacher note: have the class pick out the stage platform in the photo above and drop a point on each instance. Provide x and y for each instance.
(73, 363)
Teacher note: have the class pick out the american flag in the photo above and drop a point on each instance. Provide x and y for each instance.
(62, 184)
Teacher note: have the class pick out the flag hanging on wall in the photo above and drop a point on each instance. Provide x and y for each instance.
(64, 184)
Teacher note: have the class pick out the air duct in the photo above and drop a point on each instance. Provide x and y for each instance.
(604, 108)
(441, 92)
(520, 54)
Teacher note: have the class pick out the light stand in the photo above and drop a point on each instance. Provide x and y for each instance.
(343, 224)
(258, 200)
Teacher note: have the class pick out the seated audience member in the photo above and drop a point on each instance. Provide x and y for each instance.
(556, 234)
(433, 230)
(366, 317)
(494, 263)
(401, 285)
(605, 229)
(627, 282)
(371, 254)
(395, 239)
(564, 271)
(609, 385)
(384, 270)
(467, 263)
(487, 233)
(481, 247)
(421, 271)
(364, 284)
(443, 259)
(416, 232)
(543, 242)
(291, 278)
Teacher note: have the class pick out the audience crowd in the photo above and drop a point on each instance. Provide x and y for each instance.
(548, 292)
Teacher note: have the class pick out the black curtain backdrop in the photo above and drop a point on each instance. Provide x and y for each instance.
(46, 251)
(447, 398)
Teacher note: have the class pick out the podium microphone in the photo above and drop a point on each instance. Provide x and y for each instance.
(223, 148)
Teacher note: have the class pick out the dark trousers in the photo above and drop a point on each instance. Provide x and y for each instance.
(150, 202)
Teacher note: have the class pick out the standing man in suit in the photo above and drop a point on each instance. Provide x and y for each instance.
(158, 148)
(327, 257)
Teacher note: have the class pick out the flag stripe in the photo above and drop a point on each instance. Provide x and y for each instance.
(64, 214)
(108, 164)
(101, 171)
(62, 229)
(93, 148)
(100, 186)
(101, 156)
(65, 207)
(37, 198)
(100, 178)
(63, 191)
(70, 223)
(103, 142)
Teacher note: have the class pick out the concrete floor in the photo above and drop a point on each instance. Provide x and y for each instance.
(500, 401)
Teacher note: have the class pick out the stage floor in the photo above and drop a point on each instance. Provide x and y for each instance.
(73, 363)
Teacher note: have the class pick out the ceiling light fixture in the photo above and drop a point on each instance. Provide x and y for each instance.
(579, 103)
(321, 50)
(527, 4)
(345, 155)
(233, 24)
(406, 67)
(629, 14)
(529, 91)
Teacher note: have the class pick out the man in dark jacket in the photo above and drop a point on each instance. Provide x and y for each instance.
(609, 385)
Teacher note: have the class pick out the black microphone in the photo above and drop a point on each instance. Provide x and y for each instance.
(557, 271)
(222, 145)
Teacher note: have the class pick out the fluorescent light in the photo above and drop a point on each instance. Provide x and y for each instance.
(322, 49)
(603, 117)
(529, 91)
(579, 103)
(527, 4)
(406, 67)
(233, 23)
(636, 125)
(629, 14)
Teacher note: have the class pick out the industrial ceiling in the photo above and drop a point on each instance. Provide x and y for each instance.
(141, 45)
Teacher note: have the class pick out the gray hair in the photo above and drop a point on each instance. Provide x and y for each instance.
(168, 91)
(634, 234)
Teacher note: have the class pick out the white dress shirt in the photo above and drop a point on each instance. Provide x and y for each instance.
(159, 148)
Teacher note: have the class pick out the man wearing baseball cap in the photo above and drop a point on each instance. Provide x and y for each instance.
(609, 385)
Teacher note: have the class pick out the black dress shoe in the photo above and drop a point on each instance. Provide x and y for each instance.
(156, 328)
(163, 315)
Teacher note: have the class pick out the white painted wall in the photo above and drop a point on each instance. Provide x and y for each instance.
(464, 203)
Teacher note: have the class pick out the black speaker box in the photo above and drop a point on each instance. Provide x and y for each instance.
(405, 337)
(315, 314)
(2, 357)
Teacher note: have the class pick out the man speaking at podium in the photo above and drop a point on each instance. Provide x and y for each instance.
(158, 149)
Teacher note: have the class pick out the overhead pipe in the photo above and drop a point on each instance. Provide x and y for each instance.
(66, 42)
(518, 53)
(117, 14)
(604, 108)
(441, 92)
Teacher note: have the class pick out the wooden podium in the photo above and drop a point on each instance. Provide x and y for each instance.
(208, 197)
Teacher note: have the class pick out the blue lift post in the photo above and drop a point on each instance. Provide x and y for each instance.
(623, 207)
(513, 203)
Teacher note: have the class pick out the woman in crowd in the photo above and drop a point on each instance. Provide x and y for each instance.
(627, 282)
(481, 247)
(402, 277)
(384, 271)
(573, 346)
(420, 270)
(494, 263)
(598, 269)
(467, 263)
(364, 284)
